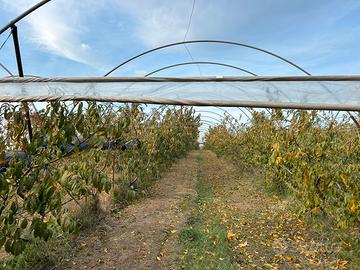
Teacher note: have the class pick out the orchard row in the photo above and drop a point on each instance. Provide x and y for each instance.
(76, 152)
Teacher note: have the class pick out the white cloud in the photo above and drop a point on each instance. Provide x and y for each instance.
(158, 22)
(296, 30)
(58, 27)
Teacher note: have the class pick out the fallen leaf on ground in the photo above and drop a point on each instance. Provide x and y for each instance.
(243, 244)
(230, 236)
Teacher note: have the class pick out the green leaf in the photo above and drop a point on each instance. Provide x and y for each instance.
(2, 241)
(8, 246)
(24, 223)
(18, 247)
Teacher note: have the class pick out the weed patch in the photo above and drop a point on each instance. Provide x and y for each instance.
(204, 239)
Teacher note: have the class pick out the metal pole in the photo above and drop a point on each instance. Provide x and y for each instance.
(21, 74)
(208, 41)
(23, 15)
(203, 63)
(17, 50)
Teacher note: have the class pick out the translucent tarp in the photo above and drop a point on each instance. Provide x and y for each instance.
(303, 92)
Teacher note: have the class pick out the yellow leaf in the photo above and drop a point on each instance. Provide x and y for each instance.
(342, 263)
(288, 258)
(344, 180)
(230, 235)
(276, 147)
(278, 160)
(299, 238)
(315, 210)
(299, 154)
(242, 245)
(268, 265)
(353, 207)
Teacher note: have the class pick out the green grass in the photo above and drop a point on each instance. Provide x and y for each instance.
(204, 240)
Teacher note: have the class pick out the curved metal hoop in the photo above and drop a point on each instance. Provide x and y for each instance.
(211, 118)
(207, 122)
(244, 113)
(208, 41)
(209, 63)
(201, 63)
(220, 121)
(203, 130)
(6, 69)
(23, 15)
(227, 113)
(214, 113)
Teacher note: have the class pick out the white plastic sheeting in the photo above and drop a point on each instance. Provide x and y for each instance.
(301, 92)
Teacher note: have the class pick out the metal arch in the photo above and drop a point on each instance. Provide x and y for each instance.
(157, 111)
(229, 114)
(218, 120)
(23, 15)
(43, 2)
(160, 110)
(211, 124)
(202, 133)
(6, 69)
(251, 111)
(206, 122)
(201, 63)
(208, 41)
(211, 118)
(214, 113)
(209, 63)
(244, 113)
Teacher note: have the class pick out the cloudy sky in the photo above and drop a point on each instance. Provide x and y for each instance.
(89, 37)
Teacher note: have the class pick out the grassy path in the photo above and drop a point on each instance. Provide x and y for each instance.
(205, 214)
(204, 239)
(260, 230)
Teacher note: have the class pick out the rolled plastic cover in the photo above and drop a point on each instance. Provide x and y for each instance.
(295, 92)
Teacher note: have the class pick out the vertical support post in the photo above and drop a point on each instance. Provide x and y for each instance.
(14, 33)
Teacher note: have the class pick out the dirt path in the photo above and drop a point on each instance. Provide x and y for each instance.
(143, 235)
(262, 232)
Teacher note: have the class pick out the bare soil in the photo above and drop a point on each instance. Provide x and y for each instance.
(143, 235)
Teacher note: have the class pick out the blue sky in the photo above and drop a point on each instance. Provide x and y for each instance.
(89, 37)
